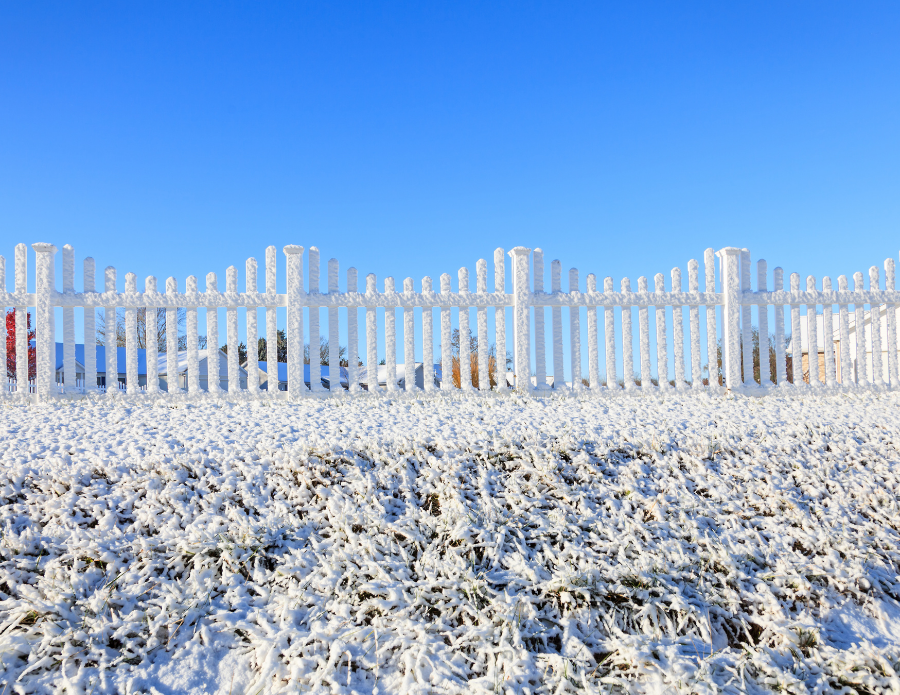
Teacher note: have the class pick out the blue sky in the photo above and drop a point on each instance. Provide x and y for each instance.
(414, 138)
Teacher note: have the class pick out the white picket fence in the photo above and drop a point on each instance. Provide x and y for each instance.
(728, 312)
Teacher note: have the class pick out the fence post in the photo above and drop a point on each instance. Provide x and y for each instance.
(731, 315)
(295, 383)
(45, 343)
(521, 327)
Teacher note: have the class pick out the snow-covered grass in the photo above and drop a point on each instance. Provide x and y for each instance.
(677, 543)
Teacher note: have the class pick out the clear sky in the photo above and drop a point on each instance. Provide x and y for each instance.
(414, 138)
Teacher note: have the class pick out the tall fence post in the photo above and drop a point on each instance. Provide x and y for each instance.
(45, 342)
(521, 328)
(295, 324)
(731, 315)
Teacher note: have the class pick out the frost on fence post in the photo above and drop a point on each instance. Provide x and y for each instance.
(875, 324)
(644, 335)
(315, 361)
(593, 350)
(540, 340)
(827, 337)
(409, 337)
(500, 317)
(575, 331)
(112, 362)
(427, 337)
(233, 378)
(812, 334)
(780, 360)
(862, 377)
(609, 334)
(796, 340)
(213, 385)
(844, 320)
(559, 376)
(746, 322)
(131, 355)
(68, 263)
(694, 317)
(150, 339)
(659, 318)
(627, 340)
(390, 334)
(522, 299)
(709, 267)
(446, 355)
(173, 382)
(45, 340)
(484, 379)
(193, 355)
(465, 355)
(763, 313)
(271, 324)
(731, 316)
(352, 333)
(90, 329)
(21, 321)
(252, 288)
(678, 332)
(295, 383)
(891, 312)
(334, 352)
(371, 334)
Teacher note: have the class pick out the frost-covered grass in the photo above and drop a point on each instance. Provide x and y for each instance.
(680, 543)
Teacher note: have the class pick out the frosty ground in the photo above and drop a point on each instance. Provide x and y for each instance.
(648, 543)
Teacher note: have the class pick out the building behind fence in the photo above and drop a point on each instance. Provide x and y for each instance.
(862, 351)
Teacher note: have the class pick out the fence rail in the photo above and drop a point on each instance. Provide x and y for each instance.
(862, 351)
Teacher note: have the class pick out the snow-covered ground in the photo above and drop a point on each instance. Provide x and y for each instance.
(656, 543)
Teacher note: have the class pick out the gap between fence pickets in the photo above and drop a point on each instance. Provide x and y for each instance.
(736, 301)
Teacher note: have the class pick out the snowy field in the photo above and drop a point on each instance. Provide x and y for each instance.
(680, 543)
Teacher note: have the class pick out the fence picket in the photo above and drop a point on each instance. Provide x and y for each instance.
(427, 338)
(609, 334)
(315, 340)
(559, 377)
(352, 335)
(213, 376)
(694, 318)
(540, 344)
(484, 379)
(151, 339)
(272, 326)
(828, 334)
(173, 380)
(761, 284)
(295, 386)
(796, 344)
(780, 358)
(593, 314)
(712, 348)
(627, 340)
(22, 375)
(847, 376)
(746, 322)
(409, 339)
(875, 328)
(112, 367)
(446, 354)
(678, 332)
(860, 316)
(465, 354)
(644, 337)
(575, 332)
(891, 312)
(371, 336)
(193, 340)
(334, 350)
(231, 332)
(252, 287)
(68, 263)
(500, 318)
(812, 333)
(662, 349)
(131, 364)
(390, 337)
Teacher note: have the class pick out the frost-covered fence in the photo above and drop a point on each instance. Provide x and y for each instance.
(680, 332)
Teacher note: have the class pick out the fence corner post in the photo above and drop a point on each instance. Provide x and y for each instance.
(45, 339)
(731, 315)
(295, 316)
(521, 327)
